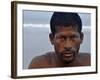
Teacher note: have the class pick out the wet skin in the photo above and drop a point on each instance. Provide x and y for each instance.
(66, 43)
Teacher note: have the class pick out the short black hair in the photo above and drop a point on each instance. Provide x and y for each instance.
(65, 19)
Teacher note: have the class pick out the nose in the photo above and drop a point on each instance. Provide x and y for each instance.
(68, 44)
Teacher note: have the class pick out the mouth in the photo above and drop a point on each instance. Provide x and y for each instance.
(68, 57)
(67, 54)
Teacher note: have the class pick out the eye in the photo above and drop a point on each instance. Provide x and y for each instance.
(61, 38)
(74, 37)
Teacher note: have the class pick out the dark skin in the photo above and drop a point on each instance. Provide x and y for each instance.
(66, 41)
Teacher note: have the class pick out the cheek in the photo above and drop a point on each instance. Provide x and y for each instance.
(59, 46)
(77, 43)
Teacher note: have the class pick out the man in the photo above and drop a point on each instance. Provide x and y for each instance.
(66, 37)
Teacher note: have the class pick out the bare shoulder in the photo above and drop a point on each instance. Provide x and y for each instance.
(84, 54)
(40, 61)
(85, 58)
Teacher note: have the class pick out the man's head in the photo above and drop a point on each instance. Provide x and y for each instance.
(66, 35)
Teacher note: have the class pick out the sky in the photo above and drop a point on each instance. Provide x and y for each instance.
(43, 17)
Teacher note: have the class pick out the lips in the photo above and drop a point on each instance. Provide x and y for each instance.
(67, 54)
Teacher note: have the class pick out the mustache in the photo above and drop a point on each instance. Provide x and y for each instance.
(69, 50)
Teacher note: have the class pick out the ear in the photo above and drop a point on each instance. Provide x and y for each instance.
(51, 37)
(81, 36)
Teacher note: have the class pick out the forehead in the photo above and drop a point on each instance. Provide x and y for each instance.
(67, 29)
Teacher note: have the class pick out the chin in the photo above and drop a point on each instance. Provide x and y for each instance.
(68, 60)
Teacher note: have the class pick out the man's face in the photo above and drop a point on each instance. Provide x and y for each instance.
(66, 42)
